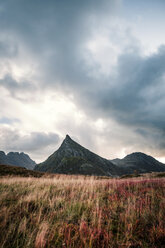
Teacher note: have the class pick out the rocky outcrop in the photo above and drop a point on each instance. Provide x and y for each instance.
(18, 159)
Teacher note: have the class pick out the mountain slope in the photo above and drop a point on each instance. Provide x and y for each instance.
(139, 162)
(10, 170)
(18, 159)
(72, 158)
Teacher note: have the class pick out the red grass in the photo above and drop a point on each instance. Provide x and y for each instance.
(77, 211)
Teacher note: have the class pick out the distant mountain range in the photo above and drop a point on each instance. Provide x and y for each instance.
(17, 159)
(72, 158)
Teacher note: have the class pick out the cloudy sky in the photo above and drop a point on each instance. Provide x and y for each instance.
(93, 69)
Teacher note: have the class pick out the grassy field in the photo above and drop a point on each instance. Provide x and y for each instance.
(77, 211)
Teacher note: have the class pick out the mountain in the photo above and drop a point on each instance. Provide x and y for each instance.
(18, 159)
(3, 158)
(72, 158)
(139, 162)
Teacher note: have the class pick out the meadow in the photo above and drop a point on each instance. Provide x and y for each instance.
(79, 211)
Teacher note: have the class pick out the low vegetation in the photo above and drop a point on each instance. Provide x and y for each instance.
(79, 211)
(8, 170)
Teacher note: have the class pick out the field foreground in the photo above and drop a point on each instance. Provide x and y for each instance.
(77, 211)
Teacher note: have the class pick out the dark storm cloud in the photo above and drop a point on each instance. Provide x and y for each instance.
(136, 98)
(16, 89)
(12, 140)
(7, 50)
(52, 21)
(137, 95)
(56, 32)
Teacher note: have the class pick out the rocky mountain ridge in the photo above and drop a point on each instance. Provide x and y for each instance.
(139, 162)
(18, 159)
(72, 158)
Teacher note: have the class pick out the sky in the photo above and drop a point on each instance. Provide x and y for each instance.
(92, 69)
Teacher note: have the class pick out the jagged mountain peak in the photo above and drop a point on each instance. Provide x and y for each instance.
(68, 137)
(72, 158)
(68, 140)
(17, 158)
(69, 147)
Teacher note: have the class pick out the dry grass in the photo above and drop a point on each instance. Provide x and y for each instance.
(77, 211)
